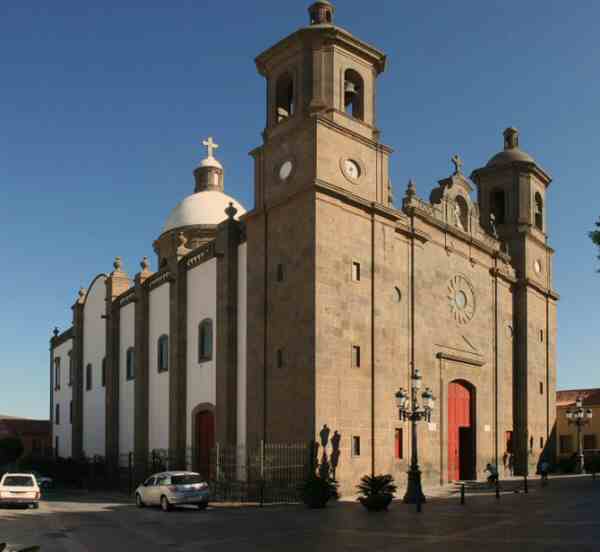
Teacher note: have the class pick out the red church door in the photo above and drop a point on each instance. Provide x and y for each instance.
(205, 441)
(461, 432)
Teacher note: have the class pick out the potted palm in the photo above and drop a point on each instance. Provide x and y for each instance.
(376, 492)
(316, 491)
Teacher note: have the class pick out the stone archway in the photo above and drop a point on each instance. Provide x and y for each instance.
(203, 438)
(461, 431)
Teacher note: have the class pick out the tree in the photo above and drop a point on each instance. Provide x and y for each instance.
(11, 449)
(595, 237)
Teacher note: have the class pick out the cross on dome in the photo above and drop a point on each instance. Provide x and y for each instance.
(211, 146)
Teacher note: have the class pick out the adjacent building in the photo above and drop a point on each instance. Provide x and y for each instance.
(566, 434)
(308, 311)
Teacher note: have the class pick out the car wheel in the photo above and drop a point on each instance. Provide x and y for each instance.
(165, 504)
(203, 506)
(138, 501)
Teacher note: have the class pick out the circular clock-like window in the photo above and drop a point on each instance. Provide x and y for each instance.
(352, 169)
(285, 170)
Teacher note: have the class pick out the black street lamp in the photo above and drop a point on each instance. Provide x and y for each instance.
(409, 409)
(579, 417)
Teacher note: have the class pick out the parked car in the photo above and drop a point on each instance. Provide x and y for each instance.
(19, 488)
(43, 481)
(176, 488)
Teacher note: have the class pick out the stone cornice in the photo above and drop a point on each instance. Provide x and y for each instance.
(321, 35)
(517, 166)
(58, 340)
(546, 292)
(485, 243)
(158, 279)
(126, 298)
(199, 255)
(460, 358)
(374, 144)
(504, 274)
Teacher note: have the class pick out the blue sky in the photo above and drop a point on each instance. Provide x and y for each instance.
(103, 107)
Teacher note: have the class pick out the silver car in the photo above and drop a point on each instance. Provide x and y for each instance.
(175, 488)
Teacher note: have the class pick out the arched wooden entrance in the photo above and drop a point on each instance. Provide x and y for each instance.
(461, 431)
(204, 441)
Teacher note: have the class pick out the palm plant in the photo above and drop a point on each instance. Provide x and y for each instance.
(376, 485)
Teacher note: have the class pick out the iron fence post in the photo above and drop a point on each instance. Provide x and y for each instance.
(462, 493)
(130, 472)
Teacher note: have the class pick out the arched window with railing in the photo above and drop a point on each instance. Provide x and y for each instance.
(205, 340)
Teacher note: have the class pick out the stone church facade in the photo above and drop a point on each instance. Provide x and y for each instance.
(313, 308)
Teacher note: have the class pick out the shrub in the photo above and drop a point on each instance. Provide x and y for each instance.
(317, 491)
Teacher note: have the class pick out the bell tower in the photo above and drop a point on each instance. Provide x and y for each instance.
(512, 197)
(320, 146)
(321, 119)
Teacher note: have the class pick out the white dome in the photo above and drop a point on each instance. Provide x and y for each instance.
(203, 208)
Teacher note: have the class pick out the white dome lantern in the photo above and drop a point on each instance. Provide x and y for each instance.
(196, 218)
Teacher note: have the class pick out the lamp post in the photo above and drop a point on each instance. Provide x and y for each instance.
(579, 417)
(409, 409)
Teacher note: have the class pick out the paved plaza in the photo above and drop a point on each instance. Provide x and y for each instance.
(560, 516)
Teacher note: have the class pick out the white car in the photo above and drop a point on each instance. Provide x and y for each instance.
(19, 488)
(176, 488)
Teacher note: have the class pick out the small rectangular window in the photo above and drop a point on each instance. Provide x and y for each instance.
(163, 354)
(541, 336)
(70, 369)
(104, 372)
(541, 387)
(57, 374)
(130, 362)
(541, 442)
(355, 356)
(280, 273)
(88, 377)
(57, 414)
(56, 447)
(355, 272)
(355, 446)
(71, 412)
(399, 444)
(280, 358)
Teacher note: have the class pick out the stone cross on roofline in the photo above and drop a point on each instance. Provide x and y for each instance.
(210, 146)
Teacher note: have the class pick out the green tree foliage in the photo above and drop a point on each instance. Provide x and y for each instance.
(595, 237)
(11, 449)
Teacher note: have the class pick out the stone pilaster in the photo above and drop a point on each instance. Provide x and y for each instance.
(178, 355)
(116, 284)
(227, 245)
(77, 359)
(141, 331)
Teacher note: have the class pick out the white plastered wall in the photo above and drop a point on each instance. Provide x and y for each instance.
(241, 344)
(201, 293)
(62, 397)
(126, 388)
(94, 350)
(158, 383)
